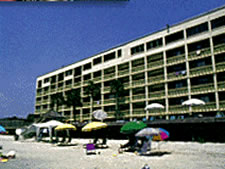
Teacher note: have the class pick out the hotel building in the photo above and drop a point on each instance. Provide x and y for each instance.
(180, 62)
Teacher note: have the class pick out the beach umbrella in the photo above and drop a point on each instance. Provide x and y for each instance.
(2, 130)
(93, 126)
(154, 106)
(163, 134)
(65, 127)
(99, 114)
(147, 132)
(132, 127)
(193, 102)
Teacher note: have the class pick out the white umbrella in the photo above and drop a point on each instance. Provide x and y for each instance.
(154, 106)
(99, 114)
(147, 132)
(193, 102)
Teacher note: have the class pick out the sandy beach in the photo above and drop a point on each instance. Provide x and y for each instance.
(175, 155)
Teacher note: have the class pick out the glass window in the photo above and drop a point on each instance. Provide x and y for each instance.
(109, 56)
(137, 49)
(174, 37)
(197, 29)
(218, 22)
(154, 44)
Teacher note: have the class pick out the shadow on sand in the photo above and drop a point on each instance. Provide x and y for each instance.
(156, 153)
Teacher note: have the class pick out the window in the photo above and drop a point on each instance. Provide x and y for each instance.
(109, 56)
(97, 61)
(87, 77)
(87, 66)
(119, 53)
(154, 44)
(60, 77)
(53, 79)
(68, 82)
(77, 71)
(46, 80)
(69, 72)
(218, 22)
(197, 29)
(39, 83)
(174, 37)
(137, 49)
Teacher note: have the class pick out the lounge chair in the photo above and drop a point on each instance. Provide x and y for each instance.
(90, 149)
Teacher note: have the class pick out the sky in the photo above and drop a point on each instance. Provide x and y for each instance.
(39, 37)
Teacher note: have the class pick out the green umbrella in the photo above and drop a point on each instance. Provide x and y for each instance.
(132, 127)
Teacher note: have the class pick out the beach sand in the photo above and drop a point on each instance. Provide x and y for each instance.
(171, 155)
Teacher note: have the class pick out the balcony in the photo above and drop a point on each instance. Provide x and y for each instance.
(219, 48)
(77, 84)
(199, 89)
(38, 102)
(45, 101)
(139, 82)
(123, 72)
(109, 76)
(140, 112)
(156, 95)
(177, 75)
(199, 54)
(86, 104)
(176, 59)
(107, 89)
(69, 86)
(210, 106)
(155, 65)
(96, 79)
(138, 97)
(53, 90)
(138, 68)
(109, 101)
(220, 67)
(126, 85)
(85, 82)
(178, 109)
(222, 105)
(60, 89)
(178, 92)
(86, 116)
(39, 94)
(221, 85)
(203, 70)
(156, 79)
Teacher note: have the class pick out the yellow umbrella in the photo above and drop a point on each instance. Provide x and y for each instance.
(93, 126)
(65, 127)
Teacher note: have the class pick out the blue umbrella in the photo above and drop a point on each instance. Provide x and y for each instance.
(2, 130)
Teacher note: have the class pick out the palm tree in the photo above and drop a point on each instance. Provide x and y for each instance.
(73, 99)
(117, 89)
(94, 92)
(58, 100)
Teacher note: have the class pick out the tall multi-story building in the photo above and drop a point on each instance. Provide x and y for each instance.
(180, 62)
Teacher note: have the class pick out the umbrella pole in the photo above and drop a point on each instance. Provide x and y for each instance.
(147, 115)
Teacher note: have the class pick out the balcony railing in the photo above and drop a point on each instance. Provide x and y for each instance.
(176, 75)
(138, 68)
(109, 76)
(219, 48)
(220, 67)
(178, 91)
(203, 70)
(199, 53)
(139, 97)
(85, 82)
(60, 88)
(39, 93)
(109, 101)
(76, 84)
(210, 106)
(97, 79)
(86, 104)
(156, 79)
(178, 108)
(176, 59)
(139, 111)
(221, 85)
(107, 89)
(68, 86)
(197, 89)
(156, 64)
(123, 72)
(138, 82)
(126, 85)
(86, 116)
(158, 94)
(53, 90)
(222, 104)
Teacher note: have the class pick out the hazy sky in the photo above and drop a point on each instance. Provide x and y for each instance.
(39, 37)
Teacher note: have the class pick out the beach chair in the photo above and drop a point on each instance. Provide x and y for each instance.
(90, 149)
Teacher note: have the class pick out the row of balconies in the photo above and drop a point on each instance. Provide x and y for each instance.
(140, 112)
